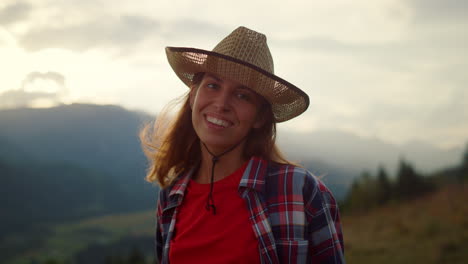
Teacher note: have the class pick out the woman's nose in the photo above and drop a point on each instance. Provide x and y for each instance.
(222, 101)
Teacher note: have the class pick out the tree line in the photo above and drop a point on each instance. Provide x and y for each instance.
(373, 190)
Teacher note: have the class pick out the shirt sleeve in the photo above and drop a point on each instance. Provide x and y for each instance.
(324, 230)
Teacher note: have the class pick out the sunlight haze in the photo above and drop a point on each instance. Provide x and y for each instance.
(389, 69)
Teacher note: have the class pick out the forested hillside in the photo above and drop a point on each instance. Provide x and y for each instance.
(73, 191)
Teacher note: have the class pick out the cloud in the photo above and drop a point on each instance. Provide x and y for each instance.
(55, 77)
(388, 68)
(194, 31)
(14, 12)
(322, 43)
(436, 11)
(122, 32)
(19, 98)
(37, 90)
(452, 114)
(126, 33)
(411, 88)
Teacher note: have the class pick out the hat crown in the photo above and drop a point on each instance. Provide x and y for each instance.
(249, 46)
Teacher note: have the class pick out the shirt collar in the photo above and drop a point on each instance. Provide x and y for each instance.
(255, 174)
(181, 184)
(253, 178)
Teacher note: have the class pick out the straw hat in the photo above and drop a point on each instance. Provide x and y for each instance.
(242, 56)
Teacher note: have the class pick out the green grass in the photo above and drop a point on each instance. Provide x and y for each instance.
(65, 240)
(431, 229)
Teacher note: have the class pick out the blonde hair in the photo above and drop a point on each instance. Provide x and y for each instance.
(172, 145)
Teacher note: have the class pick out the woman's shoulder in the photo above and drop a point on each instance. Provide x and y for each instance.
(290, 176)
(300, 178)
(289, 170)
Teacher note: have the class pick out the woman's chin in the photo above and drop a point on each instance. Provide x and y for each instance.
(218, 146)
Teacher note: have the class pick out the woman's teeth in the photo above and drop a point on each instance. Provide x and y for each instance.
(217, 121)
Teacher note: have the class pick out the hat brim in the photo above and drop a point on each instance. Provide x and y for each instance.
(286, 100)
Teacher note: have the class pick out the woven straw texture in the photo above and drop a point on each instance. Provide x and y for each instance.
(242, 56)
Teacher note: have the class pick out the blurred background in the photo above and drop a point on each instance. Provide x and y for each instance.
(387, 127)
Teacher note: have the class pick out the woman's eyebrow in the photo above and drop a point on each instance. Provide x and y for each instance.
(216, 78)
(243, 87)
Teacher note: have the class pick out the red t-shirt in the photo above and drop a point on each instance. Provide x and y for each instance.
(201, 237)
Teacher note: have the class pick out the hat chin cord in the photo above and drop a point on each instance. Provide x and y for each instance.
(215, 158)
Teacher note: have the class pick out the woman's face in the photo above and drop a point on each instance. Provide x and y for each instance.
(223, 111)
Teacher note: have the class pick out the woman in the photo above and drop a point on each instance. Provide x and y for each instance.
(227, 194)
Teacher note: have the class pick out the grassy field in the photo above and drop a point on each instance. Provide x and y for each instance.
(66, 240)
(431, 229)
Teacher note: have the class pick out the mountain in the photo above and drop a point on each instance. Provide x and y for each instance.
(33, 193)
(78, 161)
(429, 158)
(346, 150)
(95, 145)
(90, 153)
(101, 137)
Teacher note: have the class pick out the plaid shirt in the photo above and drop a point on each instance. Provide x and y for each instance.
(293, 215)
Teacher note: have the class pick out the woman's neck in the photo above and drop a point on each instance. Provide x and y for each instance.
(225, 166)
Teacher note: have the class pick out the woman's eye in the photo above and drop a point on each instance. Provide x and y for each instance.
(243, 96)
(212, 85)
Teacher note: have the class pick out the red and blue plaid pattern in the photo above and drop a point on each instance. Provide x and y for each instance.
(293, 214)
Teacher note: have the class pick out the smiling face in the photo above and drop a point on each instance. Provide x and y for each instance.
(223, 111)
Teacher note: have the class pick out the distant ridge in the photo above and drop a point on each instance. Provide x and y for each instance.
(101, 142)
(99, 139)
(350, 151)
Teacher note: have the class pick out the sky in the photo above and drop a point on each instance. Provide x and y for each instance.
(394, 70)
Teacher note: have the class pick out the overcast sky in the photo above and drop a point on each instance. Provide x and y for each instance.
(391, 69)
